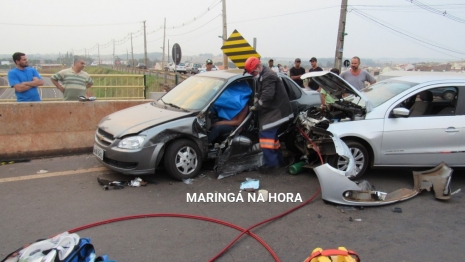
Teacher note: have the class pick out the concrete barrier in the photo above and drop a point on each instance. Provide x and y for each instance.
(42, 129)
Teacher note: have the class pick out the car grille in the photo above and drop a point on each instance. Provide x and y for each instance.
(104, 137)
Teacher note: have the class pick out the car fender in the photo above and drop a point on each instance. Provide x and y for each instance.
(368, 132)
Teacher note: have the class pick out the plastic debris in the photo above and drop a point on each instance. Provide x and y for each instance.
(346, 208)
(42, 171)
(397, 210)
(250, 184)
(188, 181)
(456, 191)
(137, 182)
(355, 219)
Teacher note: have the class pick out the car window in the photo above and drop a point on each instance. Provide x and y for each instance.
(194, 92)
(385, 90)
(438, 101)
(293, 91)
(181, 64)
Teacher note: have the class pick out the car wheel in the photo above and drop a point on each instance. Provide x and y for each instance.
(183, 159)
(360, 154)
(449, 95)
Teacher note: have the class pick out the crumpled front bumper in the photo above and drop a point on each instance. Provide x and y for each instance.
(337, 188)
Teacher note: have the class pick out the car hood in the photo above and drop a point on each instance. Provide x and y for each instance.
(336, 86)
(137, 118)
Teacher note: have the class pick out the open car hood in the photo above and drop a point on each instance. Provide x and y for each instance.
(336, 86)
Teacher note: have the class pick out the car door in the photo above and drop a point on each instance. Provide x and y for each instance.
(422, 140)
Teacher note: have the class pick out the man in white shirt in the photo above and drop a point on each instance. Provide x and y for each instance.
(356, 76)
(272, 67)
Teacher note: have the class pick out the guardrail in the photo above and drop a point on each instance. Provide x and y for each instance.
(123, 86)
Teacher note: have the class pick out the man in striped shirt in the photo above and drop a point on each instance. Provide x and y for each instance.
(73, 82)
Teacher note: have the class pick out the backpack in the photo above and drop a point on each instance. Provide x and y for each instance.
(64, 247)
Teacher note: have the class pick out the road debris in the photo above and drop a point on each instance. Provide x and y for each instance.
(188, 181)
(42, 171)
(250, 184)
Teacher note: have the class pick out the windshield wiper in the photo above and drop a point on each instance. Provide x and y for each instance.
(173, 105)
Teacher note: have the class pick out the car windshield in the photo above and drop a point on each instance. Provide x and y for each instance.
(181, 64)
(382, 91)
(194, 92)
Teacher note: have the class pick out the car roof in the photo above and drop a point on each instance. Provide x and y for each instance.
(430, 78)
(225, 74)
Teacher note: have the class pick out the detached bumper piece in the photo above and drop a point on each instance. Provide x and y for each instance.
(339, 189)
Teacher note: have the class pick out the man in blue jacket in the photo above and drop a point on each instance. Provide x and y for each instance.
(24, 79)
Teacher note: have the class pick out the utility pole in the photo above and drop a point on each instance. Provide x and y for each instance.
(225, 30)
(132, 53)
(164, 35)
(98, 52)
(145, 46)
(340, 36)
(113, 53)
(255, 44)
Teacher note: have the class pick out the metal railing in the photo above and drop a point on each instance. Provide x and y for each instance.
(133, 85)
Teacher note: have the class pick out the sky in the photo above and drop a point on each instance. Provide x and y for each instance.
(376, 29)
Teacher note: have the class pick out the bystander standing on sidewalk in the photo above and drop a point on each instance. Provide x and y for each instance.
(296, 72)
(312, 84)
(356, 76)
(24, 79)
(73, 82)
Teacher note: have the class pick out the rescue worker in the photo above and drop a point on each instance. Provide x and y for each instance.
(273, 107)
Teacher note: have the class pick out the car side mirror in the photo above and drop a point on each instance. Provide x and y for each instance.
(401, 112)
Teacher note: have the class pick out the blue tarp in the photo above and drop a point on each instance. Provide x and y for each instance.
(232, 100)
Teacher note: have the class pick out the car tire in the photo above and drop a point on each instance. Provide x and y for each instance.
(183, 159)
(360, 153)
(449, 95)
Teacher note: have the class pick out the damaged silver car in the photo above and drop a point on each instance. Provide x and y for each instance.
(398, 122)
(172, 131)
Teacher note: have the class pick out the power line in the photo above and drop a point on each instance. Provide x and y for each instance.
(300, 12)
(435, 11)
(363, 15)
(197, 27)
(61, 25)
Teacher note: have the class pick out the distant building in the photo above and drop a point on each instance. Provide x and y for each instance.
(5, 62)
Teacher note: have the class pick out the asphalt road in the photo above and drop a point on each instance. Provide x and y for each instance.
(66, 195)
(9, 93)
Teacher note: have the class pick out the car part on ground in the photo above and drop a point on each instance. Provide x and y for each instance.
(339, 189)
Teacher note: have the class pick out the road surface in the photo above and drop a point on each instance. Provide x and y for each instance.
(48, 196)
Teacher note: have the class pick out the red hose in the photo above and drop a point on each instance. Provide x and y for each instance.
(314, 146)
(243, 230)
(263, 222)
(261, 241)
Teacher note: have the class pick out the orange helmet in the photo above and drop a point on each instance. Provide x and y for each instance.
(251, 64)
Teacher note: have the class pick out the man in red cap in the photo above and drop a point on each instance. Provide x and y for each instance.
(274, 109)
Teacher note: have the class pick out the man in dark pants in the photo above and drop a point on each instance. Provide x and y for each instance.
(273, 107)
(296, 72)
(312, 84)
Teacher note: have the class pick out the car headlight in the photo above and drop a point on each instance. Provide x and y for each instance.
(133, 142)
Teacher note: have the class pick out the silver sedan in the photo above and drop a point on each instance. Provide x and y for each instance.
(399, 122)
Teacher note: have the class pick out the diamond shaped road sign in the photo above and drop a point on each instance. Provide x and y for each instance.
(238, 49)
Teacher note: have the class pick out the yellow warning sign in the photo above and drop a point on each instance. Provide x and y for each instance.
(238, 50)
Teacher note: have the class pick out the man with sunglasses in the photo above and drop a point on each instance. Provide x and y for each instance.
(274, 109)
(296, 72)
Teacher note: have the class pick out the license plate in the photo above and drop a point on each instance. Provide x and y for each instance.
(98, 152)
